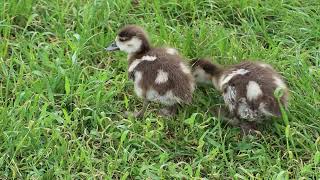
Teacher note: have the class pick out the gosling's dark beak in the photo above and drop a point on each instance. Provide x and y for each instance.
(112, 47)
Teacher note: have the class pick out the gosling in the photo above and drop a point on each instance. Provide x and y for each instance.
(159, 74)
(247, 89)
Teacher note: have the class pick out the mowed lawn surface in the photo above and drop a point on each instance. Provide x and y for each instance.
(63, 97)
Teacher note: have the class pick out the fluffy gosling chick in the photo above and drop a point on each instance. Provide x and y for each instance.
(159, 74)
(247, 89)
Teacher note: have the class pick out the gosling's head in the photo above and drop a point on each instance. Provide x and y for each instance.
(205, 72)
(130, 39)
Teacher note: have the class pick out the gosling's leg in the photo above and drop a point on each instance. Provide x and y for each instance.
(139, 114)
(247, 127)
(168, 111)
(225, 115)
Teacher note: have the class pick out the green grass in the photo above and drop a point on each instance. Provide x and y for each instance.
(62, 96)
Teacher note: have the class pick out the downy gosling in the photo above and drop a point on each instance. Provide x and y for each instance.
(247, 89)
(159, 74)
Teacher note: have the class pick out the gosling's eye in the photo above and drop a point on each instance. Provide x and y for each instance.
(196, 75)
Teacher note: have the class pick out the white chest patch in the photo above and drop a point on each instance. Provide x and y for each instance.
(137, 87)
(234, 73)
(229, 97)
(219, 82)
(215, 82)
(171, 51)
(136, 62)
(162, 77)
(201, 76)
(184, 68)
(253, 90)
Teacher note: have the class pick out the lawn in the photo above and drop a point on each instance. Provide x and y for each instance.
(62, 96)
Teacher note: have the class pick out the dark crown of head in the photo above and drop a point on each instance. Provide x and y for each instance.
(130, 31)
